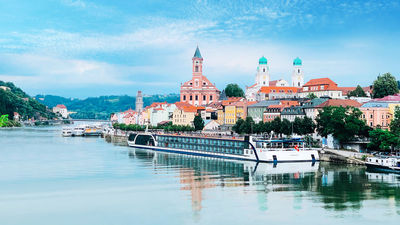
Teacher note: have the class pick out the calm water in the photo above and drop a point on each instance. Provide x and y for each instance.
(48, 179)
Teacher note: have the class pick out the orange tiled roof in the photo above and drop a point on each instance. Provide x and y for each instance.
(320, 81)
(340, 102)
(275, 106)
(268, 90)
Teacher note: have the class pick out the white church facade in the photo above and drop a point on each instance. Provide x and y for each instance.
(260, 91)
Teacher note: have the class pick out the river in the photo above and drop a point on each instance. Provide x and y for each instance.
(48, 179)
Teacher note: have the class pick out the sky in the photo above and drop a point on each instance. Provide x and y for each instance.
(82, 48)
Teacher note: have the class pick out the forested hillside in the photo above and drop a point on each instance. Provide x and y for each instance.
(13, 99)
(101, 107)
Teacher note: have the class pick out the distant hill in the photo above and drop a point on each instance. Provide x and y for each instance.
(13, 99)
(101, 107)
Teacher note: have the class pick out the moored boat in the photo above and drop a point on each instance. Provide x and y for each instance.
(383, 164)
(249, 148)
(66, 132)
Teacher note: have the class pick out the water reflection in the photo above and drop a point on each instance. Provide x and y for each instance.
(337, 187)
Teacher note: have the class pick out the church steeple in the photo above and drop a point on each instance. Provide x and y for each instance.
(197, 53)
(197, 63)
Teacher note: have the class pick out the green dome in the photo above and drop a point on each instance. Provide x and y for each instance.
(297, 62)
(262, 60)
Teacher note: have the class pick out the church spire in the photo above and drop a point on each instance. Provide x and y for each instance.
(197, 53)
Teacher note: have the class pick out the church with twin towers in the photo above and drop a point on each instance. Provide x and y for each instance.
(265, 88)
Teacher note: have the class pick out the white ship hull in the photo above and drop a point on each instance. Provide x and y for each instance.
(253, 154)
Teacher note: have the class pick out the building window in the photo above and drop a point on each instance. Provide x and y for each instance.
(370, 124)
(263, 69)
(196, 97)
(184, 98)
(204, 97)
(191, 98)
(210, 97)
(298, 71)
(371, 116)
(196, 68)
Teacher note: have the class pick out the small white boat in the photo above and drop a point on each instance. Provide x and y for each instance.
(92, 131)
(78, 131)
(66, 132)
(383, 164)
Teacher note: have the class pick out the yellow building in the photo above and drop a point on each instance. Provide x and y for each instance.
(184, 114)
(392, 107)
(230, 115)
(221, 116)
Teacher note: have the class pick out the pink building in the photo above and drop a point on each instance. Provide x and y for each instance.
(130, 118)
(199, 90)
(377, 114)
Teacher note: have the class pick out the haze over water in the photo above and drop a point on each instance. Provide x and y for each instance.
(48, 179)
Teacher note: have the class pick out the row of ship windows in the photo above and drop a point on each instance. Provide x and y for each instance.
(216, 149)
(201, 141)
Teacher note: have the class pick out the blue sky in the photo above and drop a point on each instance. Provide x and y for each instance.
(81, 48)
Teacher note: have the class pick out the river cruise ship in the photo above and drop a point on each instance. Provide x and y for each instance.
(248, 148)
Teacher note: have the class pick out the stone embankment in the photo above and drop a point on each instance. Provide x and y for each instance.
(117, 137)
(342, 156)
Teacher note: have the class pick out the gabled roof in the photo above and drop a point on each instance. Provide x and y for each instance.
(375, 105)
(61, 106)
(264, 103)
(314, 102)
(293, 110)
(320, 81)
(340, 102)
(390, 98)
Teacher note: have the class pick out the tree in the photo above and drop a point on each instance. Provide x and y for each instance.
(238, 124)
(311, 96)
(259, 127)
(395, 124)
(198, 122)
(303, 126)
(382, 140)
(276, 125)
(342, 123)
(286, 127)
(308, 126)
(298, 126)
(385, 85)
(3, 120)
(358, 92)
(233, 90)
